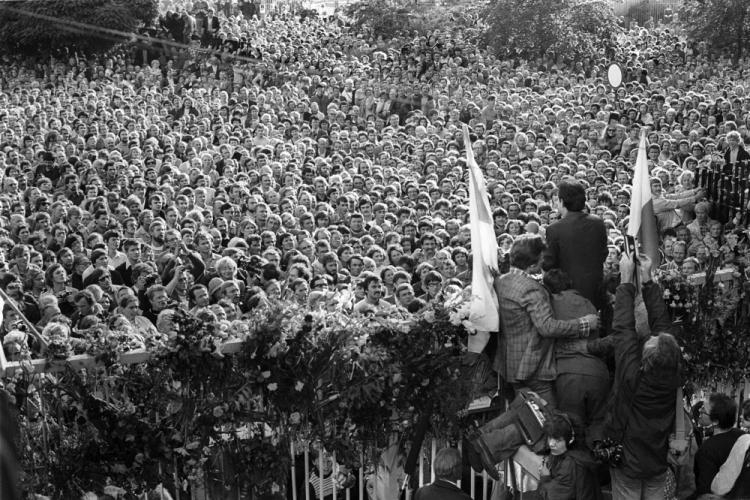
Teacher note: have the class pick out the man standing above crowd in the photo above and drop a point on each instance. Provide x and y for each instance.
(577, 243)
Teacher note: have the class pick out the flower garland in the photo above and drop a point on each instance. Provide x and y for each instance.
(194, 416)
(712, 316)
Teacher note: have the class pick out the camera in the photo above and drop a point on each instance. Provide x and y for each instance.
(608, 451)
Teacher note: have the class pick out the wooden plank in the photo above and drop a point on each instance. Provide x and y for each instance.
(81, 361)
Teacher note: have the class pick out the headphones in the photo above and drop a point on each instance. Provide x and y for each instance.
(572, 429)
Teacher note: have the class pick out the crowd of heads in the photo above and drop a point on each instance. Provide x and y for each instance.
(288, 159)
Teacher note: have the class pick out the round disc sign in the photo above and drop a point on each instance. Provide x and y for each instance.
(614, 75)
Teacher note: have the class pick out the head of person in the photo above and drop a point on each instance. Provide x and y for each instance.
(572, 194)
(734, 139)
(661, 353)
(722, 410)
(526, 252)
(561, 434)
(448, 464)
(557, 280)
(373, 287)
(157, 297)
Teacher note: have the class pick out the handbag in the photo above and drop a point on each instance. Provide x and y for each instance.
(680, 440)
(530, 420)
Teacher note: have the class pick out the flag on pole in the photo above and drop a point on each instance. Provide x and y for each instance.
(483, 312)
(642, 222)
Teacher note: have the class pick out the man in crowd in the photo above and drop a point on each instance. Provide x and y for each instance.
(647, 376)
(577, 243)
(721, 411)
(448, 468)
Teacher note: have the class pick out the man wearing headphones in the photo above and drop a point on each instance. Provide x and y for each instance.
(569, 472)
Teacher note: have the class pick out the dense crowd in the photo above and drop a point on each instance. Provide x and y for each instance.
(286, 159)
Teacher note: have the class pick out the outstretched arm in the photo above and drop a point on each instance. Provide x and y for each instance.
(536, 303)
(653, 298)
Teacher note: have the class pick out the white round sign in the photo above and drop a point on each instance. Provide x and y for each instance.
(614, 75)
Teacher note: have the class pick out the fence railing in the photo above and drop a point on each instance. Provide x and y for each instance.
(478, 485)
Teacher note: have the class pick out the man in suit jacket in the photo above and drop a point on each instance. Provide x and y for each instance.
(577, 243)
(448, 468)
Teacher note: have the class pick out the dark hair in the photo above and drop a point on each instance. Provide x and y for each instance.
(572, 194)
(557, 280)
(746, 409)
(723, 410)
(372, 278)
(562, 426)
(526, 250)
(665, 355)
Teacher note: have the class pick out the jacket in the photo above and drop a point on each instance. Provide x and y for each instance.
(641, 414)
(528, 327)
(577, 244)
(440, 490)
(573, 476)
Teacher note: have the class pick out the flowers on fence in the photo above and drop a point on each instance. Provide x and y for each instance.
(711, 313)
(193, 414)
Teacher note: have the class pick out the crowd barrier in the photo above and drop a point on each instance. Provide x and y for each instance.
(480, 485)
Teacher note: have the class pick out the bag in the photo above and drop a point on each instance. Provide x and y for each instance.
(530, 420)
(680, 440)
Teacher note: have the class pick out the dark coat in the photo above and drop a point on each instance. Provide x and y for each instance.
(440, 490)
(642, 412)
(577, 244)
(742, 155)
(573, 476)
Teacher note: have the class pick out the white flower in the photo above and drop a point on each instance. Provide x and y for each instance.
(455, 318)
(272, 386)
(469, 325)
(266, 374)
(298, 386)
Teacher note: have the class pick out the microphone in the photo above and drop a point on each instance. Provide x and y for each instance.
(416, 447)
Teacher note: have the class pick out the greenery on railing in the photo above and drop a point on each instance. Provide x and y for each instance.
(192, 415)
(713, 321)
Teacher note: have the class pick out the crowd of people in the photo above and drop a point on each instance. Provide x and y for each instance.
(297, 160)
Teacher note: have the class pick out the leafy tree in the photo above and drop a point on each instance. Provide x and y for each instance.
(31, 26)
(572, 29)
(723, 24)
(386, 18)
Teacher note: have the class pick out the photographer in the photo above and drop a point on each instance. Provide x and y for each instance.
(647, 374)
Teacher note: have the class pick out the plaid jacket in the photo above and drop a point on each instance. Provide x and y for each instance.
(528, 328)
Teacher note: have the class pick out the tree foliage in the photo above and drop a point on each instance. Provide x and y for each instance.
(723, 24)
(37, 27)
(386, 18)
(572, 29)
(389, 19)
